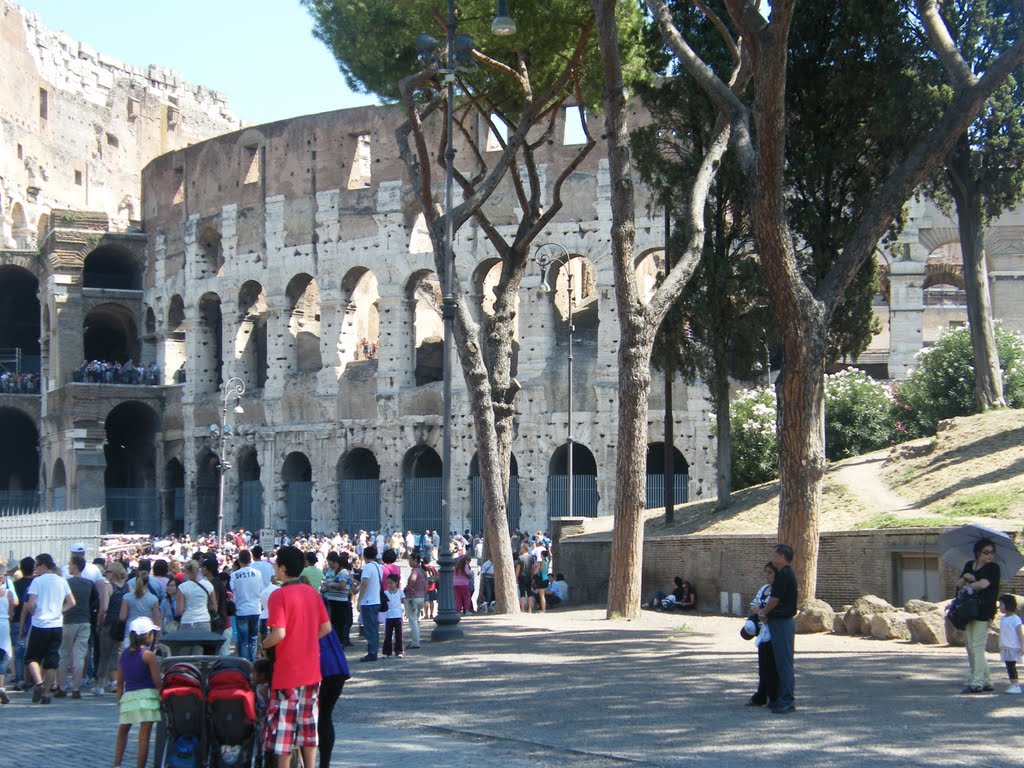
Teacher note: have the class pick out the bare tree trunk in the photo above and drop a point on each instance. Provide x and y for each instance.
(669, 468)
(988, 378)
(723, 433)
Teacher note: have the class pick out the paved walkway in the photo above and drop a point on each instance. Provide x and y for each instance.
(571, 689)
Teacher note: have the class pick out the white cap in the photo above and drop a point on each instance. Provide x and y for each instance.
(78, 549)
(142, 626)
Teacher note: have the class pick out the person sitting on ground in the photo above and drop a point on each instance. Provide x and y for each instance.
(688, 600)
(660, 598)
(558, 591)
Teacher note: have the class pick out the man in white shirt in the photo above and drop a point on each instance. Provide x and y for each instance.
(49, 598)
(92, 571)
(247, 584)
(265, 569)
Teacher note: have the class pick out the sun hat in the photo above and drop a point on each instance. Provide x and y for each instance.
(143, 625)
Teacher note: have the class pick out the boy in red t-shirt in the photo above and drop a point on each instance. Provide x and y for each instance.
(297, 620)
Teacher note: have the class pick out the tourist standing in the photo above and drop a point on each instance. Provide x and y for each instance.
(337, 591)
(767, 675)
(297, 620)
(49, 598)
(369, 602)
(415, 596)
(77, 625)
(780, 612)
(246, 586)
(980, 577)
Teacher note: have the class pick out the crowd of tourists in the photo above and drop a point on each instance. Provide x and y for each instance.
(88, 626)
(114, 372)
(19, 383)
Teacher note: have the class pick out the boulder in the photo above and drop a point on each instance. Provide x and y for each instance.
(923, 606)
(838, 627)
(927, 628)
(954, 636)
(858, 618)
(992, 641)
(890, 626)
(815, 616)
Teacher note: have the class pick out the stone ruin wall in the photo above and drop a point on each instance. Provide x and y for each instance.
(77, 126)
(291, 204)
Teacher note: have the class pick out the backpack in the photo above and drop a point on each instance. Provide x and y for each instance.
(114, 609)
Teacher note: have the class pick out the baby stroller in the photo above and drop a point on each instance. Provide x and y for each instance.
(231, 713)
(181, 701)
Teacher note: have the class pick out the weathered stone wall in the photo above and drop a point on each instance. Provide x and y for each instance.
(77, 126)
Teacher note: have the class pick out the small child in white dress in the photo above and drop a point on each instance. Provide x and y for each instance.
(1011, 639)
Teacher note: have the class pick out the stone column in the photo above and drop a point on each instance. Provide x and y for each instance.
(906, 306)
(334, 311)
(396, 366)
(278, 346)
(536, 331)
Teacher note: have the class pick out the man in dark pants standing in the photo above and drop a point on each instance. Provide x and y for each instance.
(779, 613)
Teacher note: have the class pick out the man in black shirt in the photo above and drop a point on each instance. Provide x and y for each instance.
(778, 613)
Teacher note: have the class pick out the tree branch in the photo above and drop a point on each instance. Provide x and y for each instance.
(944, 46)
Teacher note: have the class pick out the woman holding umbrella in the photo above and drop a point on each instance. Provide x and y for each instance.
(980, 576)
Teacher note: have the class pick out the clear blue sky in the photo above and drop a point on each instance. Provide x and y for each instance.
(261, 53)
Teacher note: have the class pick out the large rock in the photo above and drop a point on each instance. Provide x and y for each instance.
(838, 627)
(814, 616)
(992, 641)
(858, 618)
(927, 628)
(923, 606)
(954, 636)
(890, 626)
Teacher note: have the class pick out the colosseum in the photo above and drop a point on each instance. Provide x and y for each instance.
(156, 259)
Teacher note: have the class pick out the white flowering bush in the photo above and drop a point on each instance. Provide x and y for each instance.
(755, 448)
(942, 384)
(858, 414)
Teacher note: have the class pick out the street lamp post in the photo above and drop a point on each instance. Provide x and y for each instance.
(233, 387)
(458, 48)
(543, 259)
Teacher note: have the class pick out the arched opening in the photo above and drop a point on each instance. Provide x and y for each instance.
(132, 499)
(111, 267)
(656, 476)
(210, 365)
(584, 482)
(297, 475)
(487, 280)
(42, 229)
(174, 351)
(20, 230)
(421, 476)
(110, 334)
(211, 252)
(419, 238)
(250, 491)
(359, 338)
(303, 295)
(513, 509)
(944, 278)
(19, 321)
(650, 270)
(59, 487)
(358, 492)
(207, 490)
(174, 497)
(251, 340)
(424, 295)
(19, 462)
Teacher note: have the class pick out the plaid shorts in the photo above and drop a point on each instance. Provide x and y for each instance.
(291, 719)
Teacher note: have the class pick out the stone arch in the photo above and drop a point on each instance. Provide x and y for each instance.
(251, 339)
(132, 499)
(58, 486)
(109, 266)
(211, 251)
(110, 333)
(585, 498)
(359, 338)
(649, 267)
(19, 461)
(656, 476)
(174, 341)
(423, 291)
(419, 237)
(303, 295)
(19, 320)
(207, 490)
(513, 508)
(297, 478)
(421, 479)
(209, 364)
(21, 233)
(174, 496)
(250, 489)
(487, 279)
(358, 491)
(943, 284)
(585, 305)
(42, 228)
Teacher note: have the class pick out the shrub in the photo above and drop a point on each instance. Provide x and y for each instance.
(858, 414)
(755, 451)
(942, 384)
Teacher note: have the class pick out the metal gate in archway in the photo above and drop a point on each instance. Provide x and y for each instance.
(513, 510)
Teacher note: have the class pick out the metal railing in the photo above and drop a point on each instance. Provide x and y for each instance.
(359, 505)
(19, 502)
(132, 510)
(656, 490)
(513, 509)
(24, 535)
(299, 506)
(421, 507)
(584, 495)
(251, 505)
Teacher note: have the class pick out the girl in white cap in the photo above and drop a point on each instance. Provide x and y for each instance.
(138, 686)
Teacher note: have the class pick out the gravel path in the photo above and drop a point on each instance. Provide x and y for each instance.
(862, 475)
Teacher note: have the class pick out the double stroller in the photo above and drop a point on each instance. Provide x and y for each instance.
(209, 713)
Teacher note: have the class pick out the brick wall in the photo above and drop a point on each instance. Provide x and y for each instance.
(850, 564)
